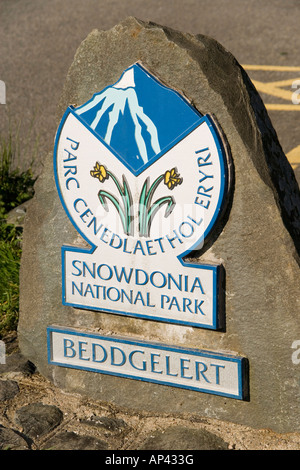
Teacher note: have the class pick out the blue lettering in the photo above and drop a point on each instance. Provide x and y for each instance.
(168, 367)
(111, 243)
(186, 234)
(138, 246)
(125, 246)
(96, 229)
(76, 203)
(113, 359)
(70, 157)
(82, 350)
(86, 268)
(201, 372)
(79, 289)
(137, 277)
(123, 274)
(218, 367)
(176, 237)
(110, 296)
(86, 213)
(74, 142)
(197, 284)
(130, 358)
(183, 367)
(163, 281)
(104, 233)
(100, 274)
(69, 344)
(73, 264)
(94, 353)
(89, 290)
(164, 299)
(72, 179)
(153, 363)
(139, 298)
(150, 247)
(198, 305)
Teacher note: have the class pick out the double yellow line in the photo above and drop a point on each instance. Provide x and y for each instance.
(276, 89)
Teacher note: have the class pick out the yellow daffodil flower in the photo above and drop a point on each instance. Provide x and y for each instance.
(172, 178)
(99, 172)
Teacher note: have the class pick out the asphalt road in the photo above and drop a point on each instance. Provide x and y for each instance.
(38, 40)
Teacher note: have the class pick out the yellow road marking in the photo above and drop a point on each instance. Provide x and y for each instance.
(272, 88)
(275, 89)
(294, 157)
(283, 107)
(272, 68)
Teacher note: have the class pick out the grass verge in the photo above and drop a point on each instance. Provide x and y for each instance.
(16, 187)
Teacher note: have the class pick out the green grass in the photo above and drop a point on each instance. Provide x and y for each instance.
(16, 187)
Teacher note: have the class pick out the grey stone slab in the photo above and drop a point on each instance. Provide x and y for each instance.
(257, 242)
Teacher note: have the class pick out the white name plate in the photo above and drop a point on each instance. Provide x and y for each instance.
(199, 370)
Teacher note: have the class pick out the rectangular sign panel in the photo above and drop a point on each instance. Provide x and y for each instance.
(186, 294)
(199, 370)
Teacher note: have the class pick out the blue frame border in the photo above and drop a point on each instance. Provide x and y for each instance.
(241, 361)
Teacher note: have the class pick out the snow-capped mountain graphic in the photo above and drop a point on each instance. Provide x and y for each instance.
(138, 118)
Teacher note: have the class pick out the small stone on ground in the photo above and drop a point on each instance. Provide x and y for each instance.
(37, 419)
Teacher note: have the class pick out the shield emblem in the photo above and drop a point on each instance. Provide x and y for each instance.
(143, 176)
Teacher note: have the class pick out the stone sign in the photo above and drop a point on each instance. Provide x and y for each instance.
(163, 249)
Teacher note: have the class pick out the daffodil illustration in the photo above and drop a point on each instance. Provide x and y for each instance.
(172, 178)
(147, 211)
(124, 208)
(99, 172)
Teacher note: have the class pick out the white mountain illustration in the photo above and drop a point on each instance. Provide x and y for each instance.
(116, 97)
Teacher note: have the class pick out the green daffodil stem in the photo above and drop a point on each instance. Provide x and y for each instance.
(127, 201)
(125, 212)
(103, 195)
(144, 204)
(156, 206)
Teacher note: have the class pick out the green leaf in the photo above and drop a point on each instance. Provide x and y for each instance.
(156, 206)
(103, 195)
